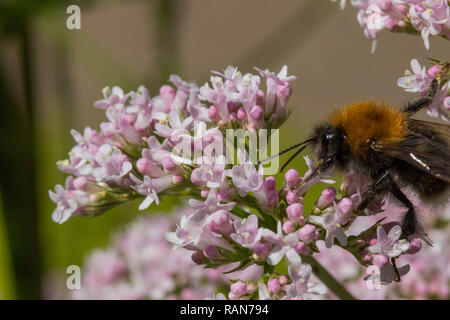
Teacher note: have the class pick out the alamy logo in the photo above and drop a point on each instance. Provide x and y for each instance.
(73, 21)
(73, 282)
(250, 147)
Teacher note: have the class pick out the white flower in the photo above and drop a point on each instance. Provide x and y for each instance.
(389, 244)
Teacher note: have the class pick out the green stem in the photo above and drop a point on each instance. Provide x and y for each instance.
(332, 284)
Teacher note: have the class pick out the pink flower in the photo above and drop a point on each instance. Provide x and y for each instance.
(245, 176)
(301, 287)
(246, 231)
(326, 198)
(415, 81)
(295, 213)
(330, 222)
(307, 233)
(66, 201)
(273, 285)
(284, 246)
(212, 204)
(113, 165)
(389, 244)
(150, 188)
(112, 97)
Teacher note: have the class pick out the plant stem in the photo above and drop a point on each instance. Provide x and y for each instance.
(337, 288)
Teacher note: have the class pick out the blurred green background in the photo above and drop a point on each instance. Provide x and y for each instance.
(50, 76)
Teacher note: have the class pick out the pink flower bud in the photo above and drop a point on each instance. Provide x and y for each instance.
(402, 8)
(273, 285)
(241, 114)
(168, 164)
(232, 116)
(385, 4)
(390, 23)
(260, 98)
(414, 246)
(213, 112)
(283, 93)
(211, 252)
(94, 197)
(317, 235)
(232, 296)
(291, 197)
(288, 226)
(220, 222)
(198, 257)
(326, 198)
(177, 179)
(256, 112)
(188, 294)
(144, 165)
(232, 106)
(380, 260)
(238, 288)
(167, 93)
(420, 289)
(419, 8)
(223, 195)
(345, 205)
(366, 256)
(251, 287)
(373, 241)
(129, 118)
(262, 249)
(80, 183)
(272, 198)
(292, 178)
(433, 71)
(307, 233)
(270, 183)
(295, 212)
(301, 248)
(195, 177)
(92, 149)
(283, 280)
(204, 193)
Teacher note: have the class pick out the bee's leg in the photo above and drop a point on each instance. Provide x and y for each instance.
(424, 101)
(410, 224)
(397, 273)
(376, 189)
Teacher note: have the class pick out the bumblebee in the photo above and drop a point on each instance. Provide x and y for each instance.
(389, 148)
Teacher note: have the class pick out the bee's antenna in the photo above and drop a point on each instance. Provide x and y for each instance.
(292, 158)
(287, 150)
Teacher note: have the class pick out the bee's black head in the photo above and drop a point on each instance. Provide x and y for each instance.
(328, 142)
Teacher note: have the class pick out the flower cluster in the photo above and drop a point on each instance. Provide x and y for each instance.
(145, 148)
(172, 144)
(131, 267)
(430, 17)
(418, 79)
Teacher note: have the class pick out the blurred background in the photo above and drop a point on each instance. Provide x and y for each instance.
(51, 76)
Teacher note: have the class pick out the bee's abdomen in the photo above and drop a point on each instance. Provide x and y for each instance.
(429, 188)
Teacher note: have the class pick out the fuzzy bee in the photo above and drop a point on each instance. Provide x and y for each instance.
(389, 148)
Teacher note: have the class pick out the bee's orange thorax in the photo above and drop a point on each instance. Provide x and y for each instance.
(367, 121)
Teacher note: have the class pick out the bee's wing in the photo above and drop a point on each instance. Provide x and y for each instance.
(426, 147)
(435, 133)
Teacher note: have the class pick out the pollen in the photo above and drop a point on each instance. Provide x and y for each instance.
(367, 122)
